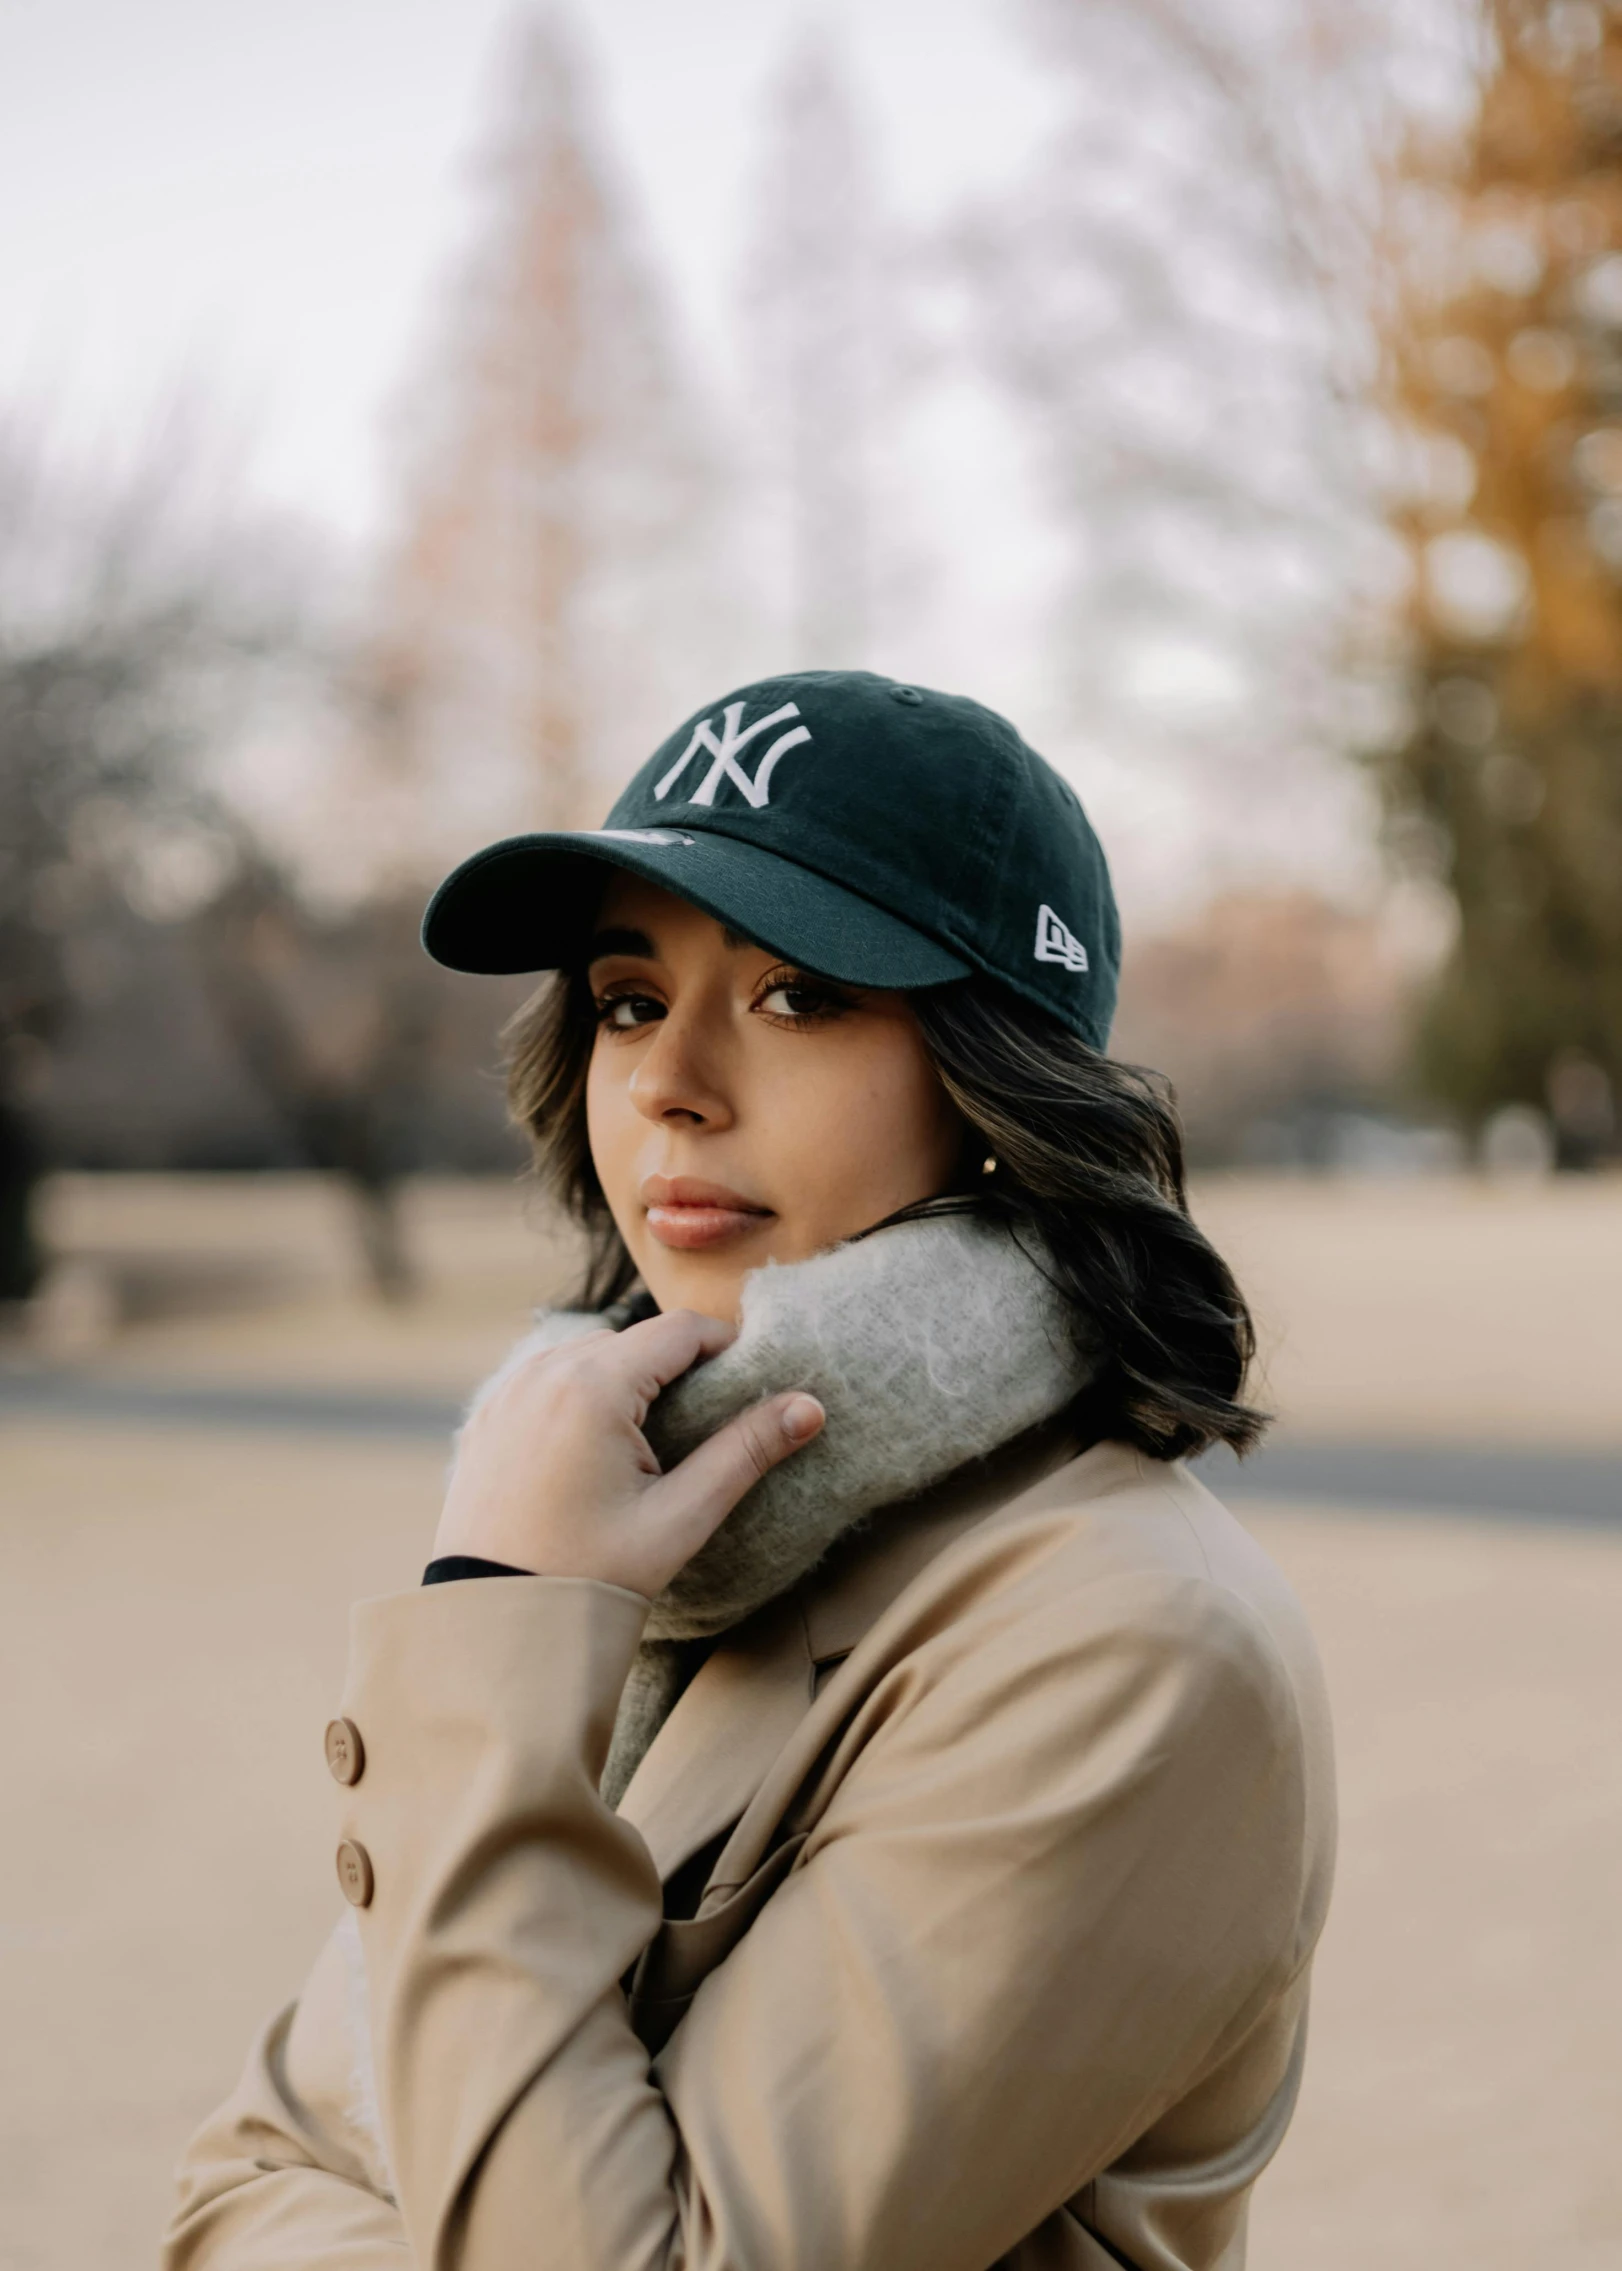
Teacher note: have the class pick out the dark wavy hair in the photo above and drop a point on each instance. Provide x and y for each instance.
(1089, 1168)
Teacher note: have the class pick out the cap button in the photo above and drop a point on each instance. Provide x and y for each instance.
(908, 694)
(355, 1873)
(346, 1753)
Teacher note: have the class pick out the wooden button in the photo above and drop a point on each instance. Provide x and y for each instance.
(346, 1753)
(355, 1873)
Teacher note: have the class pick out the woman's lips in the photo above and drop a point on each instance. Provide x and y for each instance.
(687, 1214)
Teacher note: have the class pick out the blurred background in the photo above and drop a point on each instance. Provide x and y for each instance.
(407, 412)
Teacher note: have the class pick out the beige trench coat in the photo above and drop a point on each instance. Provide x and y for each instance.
(965, 1904)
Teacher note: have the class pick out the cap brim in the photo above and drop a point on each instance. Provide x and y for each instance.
(522, 905)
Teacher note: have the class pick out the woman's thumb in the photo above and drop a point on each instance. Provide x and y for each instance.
(710, 1481)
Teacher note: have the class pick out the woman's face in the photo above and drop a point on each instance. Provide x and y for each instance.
(741, 1111)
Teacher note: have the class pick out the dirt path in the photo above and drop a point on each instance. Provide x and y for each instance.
(1463, 2099)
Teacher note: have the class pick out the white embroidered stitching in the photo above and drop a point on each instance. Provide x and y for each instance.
(724, 754)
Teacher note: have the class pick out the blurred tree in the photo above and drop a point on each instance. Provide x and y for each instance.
(1267, 1010)
(140, 625)
(550, 599)
(1505, 365)
(117, 644)
(818, 312)
(335, 1015)
(1175, 295)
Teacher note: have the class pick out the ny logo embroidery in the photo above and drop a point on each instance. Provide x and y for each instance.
(724, 754)
(1056, 943)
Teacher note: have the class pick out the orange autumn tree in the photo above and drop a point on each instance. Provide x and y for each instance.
(1504, 356)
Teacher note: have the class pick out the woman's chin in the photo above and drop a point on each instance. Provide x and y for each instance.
(712, 1287)
(706, 1278)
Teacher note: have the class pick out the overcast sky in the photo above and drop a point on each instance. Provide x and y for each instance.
(256, 199)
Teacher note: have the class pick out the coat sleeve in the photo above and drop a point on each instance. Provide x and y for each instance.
(1058, 1865)
(291, 2170)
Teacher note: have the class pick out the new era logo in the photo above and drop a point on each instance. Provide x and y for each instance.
(1056, 943)
(735, 735)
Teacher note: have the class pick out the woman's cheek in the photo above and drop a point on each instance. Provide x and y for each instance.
(614, 1129)
(832, 1152)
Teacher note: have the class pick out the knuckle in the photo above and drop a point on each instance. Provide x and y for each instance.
(545, 1380)
(593, 1364)
(585, 1353)
(545, 1364)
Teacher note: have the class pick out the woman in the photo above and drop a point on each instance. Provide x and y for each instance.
(845, 1796)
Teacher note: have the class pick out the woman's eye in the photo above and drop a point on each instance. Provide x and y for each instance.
(622, 1011)
(798, 999)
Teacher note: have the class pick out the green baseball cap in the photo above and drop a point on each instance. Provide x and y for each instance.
(875, 833)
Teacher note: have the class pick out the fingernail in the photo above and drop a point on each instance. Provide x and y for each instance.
(802, 1418)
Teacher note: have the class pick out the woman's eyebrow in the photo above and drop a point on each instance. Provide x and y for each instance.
(632, 942)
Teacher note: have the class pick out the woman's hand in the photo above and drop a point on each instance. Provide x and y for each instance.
(553, 1473)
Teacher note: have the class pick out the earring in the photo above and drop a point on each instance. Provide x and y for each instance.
(988, 1167)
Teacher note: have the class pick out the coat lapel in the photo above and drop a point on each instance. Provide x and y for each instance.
(709, 1759)
(712, 1753)
(845, 1598)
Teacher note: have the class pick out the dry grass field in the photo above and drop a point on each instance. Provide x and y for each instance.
(172, 1607)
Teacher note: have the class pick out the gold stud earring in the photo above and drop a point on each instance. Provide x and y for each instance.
(988, 1167)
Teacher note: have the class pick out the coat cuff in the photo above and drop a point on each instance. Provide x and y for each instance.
(533, 1667)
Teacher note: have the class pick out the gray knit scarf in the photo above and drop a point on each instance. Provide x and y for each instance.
(928, 1344)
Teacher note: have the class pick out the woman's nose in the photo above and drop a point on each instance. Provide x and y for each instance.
(676, 1079)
